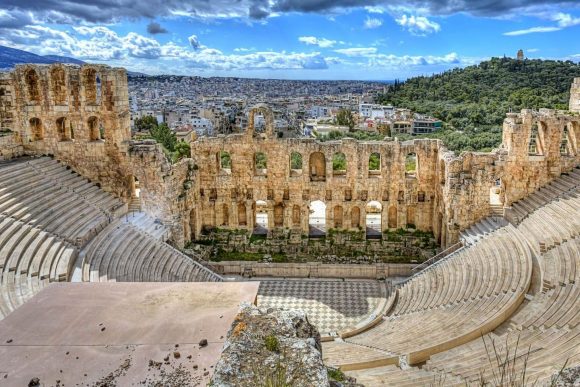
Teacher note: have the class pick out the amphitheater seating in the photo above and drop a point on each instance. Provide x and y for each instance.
(453, 301)
(45, 194)
(545, 327)
(30, 258)
(124, 253)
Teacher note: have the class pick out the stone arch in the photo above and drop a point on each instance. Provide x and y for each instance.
(260, 163)
(339, 164)
(535, 147)
(355, 217)
(266, 112)
(95, 128)
(374, 163)
(32, 85)
(295, 164)
(261, 217)
(373, 219)
(225, 212)
(565, 143)
(279, 215)
(63, 129)
(296, 215)
(224, 160)
(242, 214)
(411, 165)
(58, 85)
(317, 218)
(338, 214)
(36, 129)
(317, 166)
(89, 79)
(392, 217)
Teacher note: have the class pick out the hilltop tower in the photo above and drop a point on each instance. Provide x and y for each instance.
(520, 54)
(575, 96)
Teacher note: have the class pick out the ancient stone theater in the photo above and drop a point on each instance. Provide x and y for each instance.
(97, 287)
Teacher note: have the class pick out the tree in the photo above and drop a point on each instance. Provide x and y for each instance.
(182, 149)
(165, 136)
(344, 117)
(145, 124)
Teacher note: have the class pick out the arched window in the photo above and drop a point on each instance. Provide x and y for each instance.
(261, 163)
(317, 167)
(90, 86)
(225, 161)
(338, 164)
(564, 142)
(63, 129)
(533, 148)
(94, 129)
(374, 219)
(295, 164)
(411, 165)
(317, 219)
(31, 78)
(36, 129)
(374, 164)
(57, 80)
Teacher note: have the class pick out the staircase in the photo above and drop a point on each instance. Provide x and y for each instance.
(496, 210)
(480, 229)
(135, 204)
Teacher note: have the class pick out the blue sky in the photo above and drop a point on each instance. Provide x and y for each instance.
(297, 39)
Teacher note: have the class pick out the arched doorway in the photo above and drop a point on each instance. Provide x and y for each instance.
(242, 215)
(261, 218)
(296, 215)
(317, 219)
(279, 215)
(393, 217)
(373, 219)
(225, 215)
(338, 214)
(495, 194)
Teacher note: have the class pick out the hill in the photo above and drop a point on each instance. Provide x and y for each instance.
(12, 56)
(475, 99)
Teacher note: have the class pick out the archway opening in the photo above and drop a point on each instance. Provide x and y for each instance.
(36, 129)
(32, 85)
(260, 164)
(374, 164)
(393, 217)
(317, 219)
(355, 217)
(64, 133)
(279, 215)
(295, 164)
(373, 219)
(296, 216)
(411, 165)
(317, 167)
(338, 215)
(261, 218)
(225, 221)
(94, 129)
(339, 164)
(242, 215)
(495, 194)
(225, 161)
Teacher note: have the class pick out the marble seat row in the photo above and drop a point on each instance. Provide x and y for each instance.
(124, 253)
(30, 258)
(44, 193)
(487, 268)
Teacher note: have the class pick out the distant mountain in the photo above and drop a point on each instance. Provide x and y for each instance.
(12, 56)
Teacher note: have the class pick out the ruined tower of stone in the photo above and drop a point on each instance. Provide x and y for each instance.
(520, 54)
(575, 96)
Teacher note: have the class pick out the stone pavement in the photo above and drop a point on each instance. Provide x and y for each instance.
(331, 305)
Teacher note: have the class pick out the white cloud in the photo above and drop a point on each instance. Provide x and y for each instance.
(314, 41)
(566, 20)
(372, 23)
(357, 51)
(244, 49)
(382, 60)
(532, 30)
(532, 50)
(418, 25)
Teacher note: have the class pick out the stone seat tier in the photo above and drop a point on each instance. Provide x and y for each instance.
(122, 252)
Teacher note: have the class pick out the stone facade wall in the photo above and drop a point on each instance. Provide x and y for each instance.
(80, 115)
(575, 96)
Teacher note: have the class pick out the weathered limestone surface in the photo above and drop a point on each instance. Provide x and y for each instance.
(80, 115)
(283, 345)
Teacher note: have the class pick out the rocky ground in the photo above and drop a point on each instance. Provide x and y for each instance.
(271, 347)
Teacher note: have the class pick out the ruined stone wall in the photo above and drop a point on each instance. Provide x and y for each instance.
(575, 96)
(228, 196)
(78, 114)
